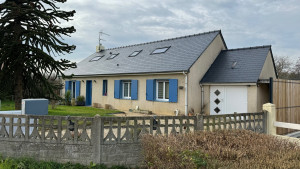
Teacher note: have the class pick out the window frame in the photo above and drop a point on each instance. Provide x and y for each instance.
(104, 87)
(167, 48)
(138, 52)
(164, 90)
(92, 60)
(128, 90)
(112, 56)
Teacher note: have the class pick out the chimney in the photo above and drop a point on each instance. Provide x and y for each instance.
(99, 48)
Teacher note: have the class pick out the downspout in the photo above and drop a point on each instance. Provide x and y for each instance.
(186, 94)
(202, 98)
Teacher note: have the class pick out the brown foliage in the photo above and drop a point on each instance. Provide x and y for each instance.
(220, 149)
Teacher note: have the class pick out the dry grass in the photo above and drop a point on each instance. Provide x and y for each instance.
(220, 149)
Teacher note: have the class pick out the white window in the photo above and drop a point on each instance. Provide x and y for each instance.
(112, 56)
(162, 90)
(160, 50)
(126, 89)
(96, 58)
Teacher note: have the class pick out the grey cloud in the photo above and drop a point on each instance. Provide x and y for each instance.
(243, 23)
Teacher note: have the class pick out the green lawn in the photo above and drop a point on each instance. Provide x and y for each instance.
(7, 105)
(62, 110)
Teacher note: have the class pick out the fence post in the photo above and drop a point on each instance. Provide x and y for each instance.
(271, 118)
(200, 122)
(96, 137)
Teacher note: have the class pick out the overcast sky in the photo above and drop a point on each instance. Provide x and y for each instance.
(243, 23)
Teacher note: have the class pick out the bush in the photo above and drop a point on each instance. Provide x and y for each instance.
(225, 149)
(68, 98)
(80, 101)
(28, 163)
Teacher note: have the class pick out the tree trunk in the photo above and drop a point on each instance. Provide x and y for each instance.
(18, 89)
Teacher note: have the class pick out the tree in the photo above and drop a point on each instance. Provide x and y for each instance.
(283, 66)
(30, 36)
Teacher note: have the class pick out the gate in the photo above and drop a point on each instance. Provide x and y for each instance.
(286, 97)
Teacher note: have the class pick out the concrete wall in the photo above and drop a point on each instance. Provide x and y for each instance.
(161, 108)
(123, 149)
(262, 95)
(268, 68)
(49, 152)
(121, 154)
(199, 69)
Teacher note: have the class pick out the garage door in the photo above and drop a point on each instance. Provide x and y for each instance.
(228, 99)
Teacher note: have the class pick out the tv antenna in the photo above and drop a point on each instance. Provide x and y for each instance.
(100, 34)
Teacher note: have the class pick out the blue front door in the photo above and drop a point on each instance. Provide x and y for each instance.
(88, 100)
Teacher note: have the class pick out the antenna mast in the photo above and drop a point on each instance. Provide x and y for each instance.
(100, 34)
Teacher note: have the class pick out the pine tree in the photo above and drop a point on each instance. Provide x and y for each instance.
(30, 38)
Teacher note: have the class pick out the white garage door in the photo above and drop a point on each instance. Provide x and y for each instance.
(228, 99)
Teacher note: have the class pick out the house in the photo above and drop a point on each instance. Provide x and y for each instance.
(195, 72)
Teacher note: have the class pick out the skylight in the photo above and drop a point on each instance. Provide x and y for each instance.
(96, 58)
(160, 50)
(112, 56)
(135, 53)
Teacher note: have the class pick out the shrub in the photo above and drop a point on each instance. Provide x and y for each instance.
(28, 163)
(80, 101)
(220, 149)
(68, 98)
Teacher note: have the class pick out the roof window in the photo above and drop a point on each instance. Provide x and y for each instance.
(135, 53)
(112, 56)
(96, 58)
(160, 50)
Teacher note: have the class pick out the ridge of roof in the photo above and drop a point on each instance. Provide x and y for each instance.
(180, 37)
(252, 47)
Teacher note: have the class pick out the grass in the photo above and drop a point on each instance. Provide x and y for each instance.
(28, 163)
(7, 105)
(63, 110)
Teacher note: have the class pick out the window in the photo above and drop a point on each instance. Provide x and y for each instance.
(135, 53)
(96, 58)
(73, 87)
(126, 88)
(104, 92)
(160, 50)
(112, 56)
(162, 90)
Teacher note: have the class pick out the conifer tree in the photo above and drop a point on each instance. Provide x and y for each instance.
(30, 39)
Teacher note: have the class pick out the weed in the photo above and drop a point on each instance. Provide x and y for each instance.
(220, 149)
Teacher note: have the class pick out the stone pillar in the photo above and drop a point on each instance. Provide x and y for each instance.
(96, 132)
(271, 117)
(200, 122)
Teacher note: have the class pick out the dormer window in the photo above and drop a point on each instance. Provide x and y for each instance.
(160, 50)
(135, 53)
(112, 56)
(96, 58)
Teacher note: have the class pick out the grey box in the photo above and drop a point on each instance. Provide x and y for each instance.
(35, 106)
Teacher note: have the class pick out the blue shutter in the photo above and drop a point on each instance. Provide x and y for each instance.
(150, 89)
(67, 85)
(173, 90)
(117, 92)
(77, 90)
(134, 89)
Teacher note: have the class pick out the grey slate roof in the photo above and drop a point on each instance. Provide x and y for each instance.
(184, 51)
(249, 64)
